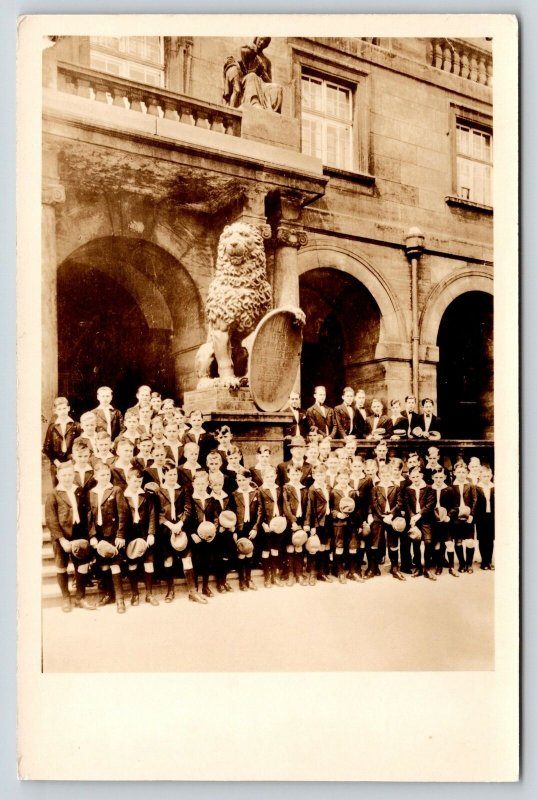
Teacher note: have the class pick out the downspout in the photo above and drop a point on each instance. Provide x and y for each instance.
(414, 246)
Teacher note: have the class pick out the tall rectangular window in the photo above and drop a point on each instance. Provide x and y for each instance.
(474, 163)
(327, 121)
(138, 58)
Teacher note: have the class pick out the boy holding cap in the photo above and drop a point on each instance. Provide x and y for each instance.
(246, 507)
(139, 527)
(66, 519)
(105, 522)
(270, 506)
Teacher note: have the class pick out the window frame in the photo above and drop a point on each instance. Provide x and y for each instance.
(125, 57)
(310, 63)
(475, 120)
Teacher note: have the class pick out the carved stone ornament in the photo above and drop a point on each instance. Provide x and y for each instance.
(291, 237)
(52, 194)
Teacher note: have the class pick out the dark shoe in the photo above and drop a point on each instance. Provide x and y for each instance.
(207, 592)
(135, 599)
(252, 586)
(121, 607)
(351, 576)
(378, 573)
(370, 573)
(170, 594)
(342, 578)
(105, 600)
(303, 581)
(197, 598)
(470, 570)
(453, 571)
(243, 586)
(438, 571)
(81, 602)
(227, 587)
(417, 573)
(66, 605)
(312, 580)
(220, 588)
(429, 575)
(276, 581)
(462, 569)
(149, 598)
(325, 578)
(398, 575)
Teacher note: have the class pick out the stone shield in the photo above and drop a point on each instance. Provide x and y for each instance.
(274, 359)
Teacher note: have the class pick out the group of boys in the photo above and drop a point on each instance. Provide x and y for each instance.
(155, 495)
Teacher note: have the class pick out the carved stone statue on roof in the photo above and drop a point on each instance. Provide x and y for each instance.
(248, 78)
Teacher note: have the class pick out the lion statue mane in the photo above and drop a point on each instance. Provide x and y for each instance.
(239, 296)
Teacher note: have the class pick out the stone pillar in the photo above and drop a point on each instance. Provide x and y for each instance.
(52, 194)
(288, 241)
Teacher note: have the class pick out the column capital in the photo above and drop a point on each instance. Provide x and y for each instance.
(52, 194)
(287, 236)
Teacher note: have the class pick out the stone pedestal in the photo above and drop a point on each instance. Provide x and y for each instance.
(268, 127)
(250, 427)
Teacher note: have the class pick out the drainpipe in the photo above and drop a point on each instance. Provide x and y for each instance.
(414, 245)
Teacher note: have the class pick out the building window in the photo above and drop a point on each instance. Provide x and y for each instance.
(473, 163)
(138, 58)
(327, 115)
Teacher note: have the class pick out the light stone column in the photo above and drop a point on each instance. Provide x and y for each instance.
(52, 194)
(286, 285)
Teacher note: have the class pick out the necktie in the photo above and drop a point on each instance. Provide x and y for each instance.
(246, 498)
(275, 510)
(74, 505)
(418, 507)
(299, 504)
(136, 515)
(99, 504)
(171, 495)
(63, 429)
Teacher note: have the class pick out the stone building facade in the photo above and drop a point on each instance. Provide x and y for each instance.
(372, 189)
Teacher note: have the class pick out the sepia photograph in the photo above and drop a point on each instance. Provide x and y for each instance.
(268, 350)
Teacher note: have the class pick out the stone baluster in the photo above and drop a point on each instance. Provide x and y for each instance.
(473, 67)
(465, 64)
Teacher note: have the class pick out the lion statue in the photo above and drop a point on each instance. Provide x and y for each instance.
(239, 296)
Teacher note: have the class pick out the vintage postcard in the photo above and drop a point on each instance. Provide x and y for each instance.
(268, 382)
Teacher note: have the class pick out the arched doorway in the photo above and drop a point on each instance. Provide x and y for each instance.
(104, 339)
(466, 370)
(341, 334)
(128, 313)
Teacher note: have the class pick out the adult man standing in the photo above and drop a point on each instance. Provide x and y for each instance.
(360, 423)
(108, 418)
(319, 415)
(428, 424)
(299, 426)
(410, 415)
(379, 423)
(345, 415)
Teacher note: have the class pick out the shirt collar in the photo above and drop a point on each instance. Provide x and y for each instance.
(128, 493)
(98, 490)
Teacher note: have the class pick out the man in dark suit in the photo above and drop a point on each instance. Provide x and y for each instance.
(346, 416)
(428, 424)
(108, 418)
(321, 416)
(298, 459)
(379, 423)
(299, 426)
(409, 415)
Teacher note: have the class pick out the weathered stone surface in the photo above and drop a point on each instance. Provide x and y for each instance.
(271, 128)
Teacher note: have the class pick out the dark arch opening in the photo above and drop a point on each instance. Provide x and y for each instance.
(465, 369)
(104, 339)
(341, 335)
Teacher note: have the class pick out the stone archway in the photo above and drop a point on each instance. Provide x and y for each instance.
(356, 331)
(444, 292)
(128, 313)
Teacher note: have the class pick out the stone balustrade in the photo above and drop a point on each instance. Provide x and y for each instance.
(145, 99)
(461, 58)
